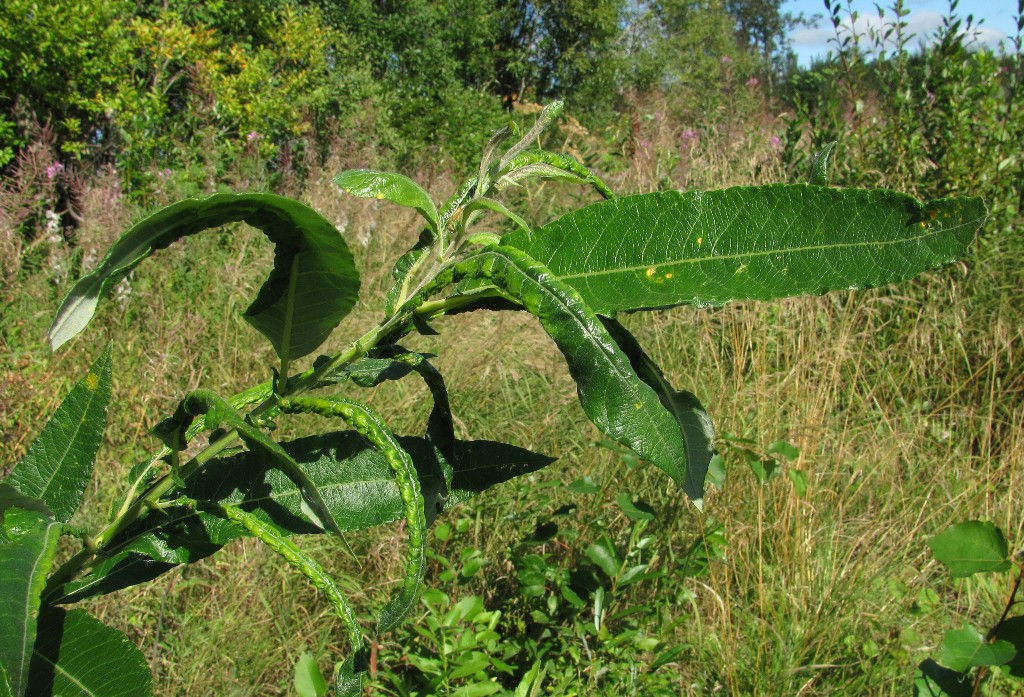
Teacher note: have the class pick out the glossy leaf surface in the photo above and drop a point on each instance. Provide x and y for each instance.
(28, 543)
(620, 404)
(397, 188)
(693, 421)
(313, 285)
(79, 656)
(59, 463)
(972, 547)
(353, 478)
(671, 248)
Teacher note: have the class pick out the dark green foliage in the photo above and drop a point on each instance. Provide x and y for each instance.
(572, 275)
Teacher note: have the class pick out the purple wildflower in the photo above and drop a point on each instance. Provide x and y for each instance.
(54, 169)
(752, 82)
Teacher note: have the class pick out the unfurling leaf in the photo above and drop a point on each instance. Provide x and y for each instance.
(313, 285)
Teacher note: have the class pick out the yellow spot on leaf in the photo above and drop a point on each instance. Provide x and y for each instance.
(380, 196)
(92, 382)
(668, 275)
(650, 272)
(700, 241)
(638, 405)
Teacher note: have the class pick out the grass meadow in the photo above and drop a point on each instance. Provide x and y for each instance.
(905, 404)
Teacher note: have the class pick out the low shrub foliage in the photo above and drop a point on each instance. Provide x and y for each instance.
(222, 474)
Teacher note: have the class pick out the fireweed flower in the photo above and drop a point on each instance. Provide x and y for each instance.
(54, 169)
(775, 142)
(689, 135)
(254, 136)
(752, 82)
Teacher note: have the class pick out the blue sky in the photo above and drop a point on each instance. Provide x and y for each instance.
(925, 15)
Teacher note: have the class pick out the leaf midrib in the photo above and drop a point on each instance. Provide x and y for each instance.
(768, 252)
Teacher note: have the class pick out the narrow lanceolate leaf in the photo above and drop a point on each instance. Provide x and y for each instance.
(217, 411)
(59, 462)
(372, 427)
(694, 422)
(79, 656)
(671, 248)
(313, 285)
(27, 548)
(619, 403)
(972, 547)
(372, 183)
(353, 477)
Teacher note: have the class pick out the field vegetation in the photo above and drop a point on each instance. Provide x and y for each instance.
(852, 427)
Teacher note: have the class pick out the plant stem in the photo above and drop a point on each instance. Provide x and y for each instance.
(309, 380)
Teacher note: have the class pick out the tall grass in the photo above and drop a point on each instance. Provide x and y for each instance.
(905, 404)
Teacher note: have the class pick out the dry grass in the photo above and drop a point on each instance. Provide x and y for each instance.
(906, 405)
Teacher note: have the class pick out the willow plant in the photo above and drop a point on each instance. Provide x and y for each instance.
(221, 474)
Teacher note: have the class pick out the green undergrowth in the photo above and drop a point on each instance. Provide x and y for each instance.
(853, 427)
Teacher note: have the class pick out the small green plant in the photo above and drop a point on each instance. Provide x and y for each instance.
(969, 659)
(222, 475)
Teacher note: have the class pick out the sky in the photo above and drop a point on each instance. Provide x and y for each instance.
(925, 16)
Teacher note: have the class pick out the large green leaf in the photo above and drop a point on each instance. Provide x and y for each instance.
(710, 247)
(79, 656)
(27, 548)
(619, 403)
(59, 462)
(354, 479)
(313, 285)
(694, 422)
(972, 547)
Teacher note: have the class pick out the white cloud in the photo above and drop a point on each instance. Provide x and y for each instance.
(921, 27)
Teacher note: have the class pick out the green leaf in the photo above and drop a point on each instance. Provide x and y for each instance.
(634, 511)
(707, 248)
(27, 549)
(372, 183)
(313, 285)
(76, 655)
(354, 479)
(693, 421)
(59, 462)
(217, 411)
(616, 400)
(309, 681)
(821, 162)
(799, 480)
(966, 648)
(972, 547)
(497, 207)
(603, 554)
